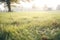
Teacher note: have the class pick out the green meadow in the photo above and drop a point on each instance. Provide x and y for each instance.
(43, 25)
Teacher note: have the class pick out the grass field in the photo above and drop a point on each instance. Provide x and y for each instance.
(30, 25)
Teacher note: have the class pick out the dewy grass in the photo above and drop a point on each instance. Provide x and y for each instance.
(30, 25)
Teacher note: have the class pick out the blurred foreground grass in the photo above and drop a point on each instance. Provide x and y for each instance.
(30, 25)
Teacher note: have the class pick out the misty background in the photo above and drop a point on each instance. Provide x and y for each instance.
(33, 5)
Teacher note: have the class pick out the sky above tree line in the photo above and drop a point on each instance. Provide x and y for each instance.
(48, 2)
(41, 3)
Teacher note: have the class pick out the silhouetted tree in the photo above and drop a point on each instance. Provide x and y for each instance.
(58, 7)
(49, 9)
(8, 2)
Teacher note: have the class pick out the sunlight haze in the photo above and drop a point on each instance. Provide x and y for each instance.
(41, 3)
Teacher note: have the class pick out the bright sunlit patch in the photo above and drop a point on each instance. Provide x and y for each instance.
(41, 3)
(49, 3)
